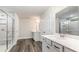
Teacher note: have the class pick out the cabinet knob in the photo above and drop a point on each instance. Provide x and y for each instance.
(48, 47)
(56, 47)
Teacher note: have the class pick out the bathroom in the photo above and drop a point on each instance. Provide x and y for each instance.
(53, 28)
(39, 29)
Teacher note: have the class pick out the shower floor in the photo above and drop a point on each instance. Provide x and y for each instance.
(3, 45)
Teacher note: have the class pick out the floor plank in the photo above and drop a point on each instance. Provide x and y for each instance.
(27, 45)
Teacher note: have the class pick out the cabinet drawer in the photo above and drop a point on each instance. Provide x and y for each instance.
(58, 47)
(46, 47)
(68, 50)
(48, 41)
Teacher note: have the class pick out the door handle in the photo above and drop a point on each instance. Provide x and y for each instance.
(48, 47)
(56, 47)
(2, 29)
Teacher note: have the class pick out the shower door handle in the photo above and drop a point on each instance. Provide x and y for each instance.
(2, 29)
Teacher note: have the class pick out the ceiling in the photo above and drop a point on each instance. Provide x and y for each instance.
(25, 11)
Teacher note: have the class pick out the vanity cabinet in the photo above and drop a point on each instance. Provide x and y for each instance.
(36, 36)
(68, 50)
(57, 47)
(50, 46)
(46, 45)
(47, 48)
(53, 46)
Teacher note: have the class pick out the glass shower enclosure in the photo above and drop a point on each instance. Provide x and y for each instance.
(6, 31)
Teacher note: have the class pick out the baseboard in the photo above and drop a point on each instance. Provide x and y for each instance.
(11, 47)
(27, 38)
(24, 37)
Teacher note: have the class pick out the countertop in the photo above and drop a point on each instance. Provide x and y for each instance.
(65, 41)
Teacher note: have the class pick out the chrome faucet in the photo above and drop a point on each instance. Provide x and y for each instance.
(61, 35)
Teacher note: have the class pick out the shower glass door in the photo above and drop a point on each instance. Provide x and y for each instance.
(6, 31)
(3, 31)
(2, 37)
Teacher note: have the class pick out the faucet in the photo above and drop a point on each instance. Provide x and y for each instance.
(61, 35)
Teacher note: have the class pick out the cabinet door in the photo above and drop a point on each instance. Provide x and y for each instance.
(68, 50)
(58, 47)
(47, 46)
(36, 36)
(48, 41)
(44, 44)
(50, 49)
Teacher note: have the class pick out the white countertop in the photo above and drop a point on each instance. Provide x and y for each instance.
(65, 41)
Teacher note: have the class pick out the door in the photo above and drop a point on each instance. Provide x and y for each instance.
(3, 35)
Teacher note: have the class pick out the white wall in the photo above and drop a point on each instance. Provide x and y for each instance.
(16, 27)
(27, 26)
(48, 20)
(47, 23)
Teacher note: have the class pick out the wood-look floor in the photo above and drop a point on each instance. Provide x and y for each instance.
(27, 45)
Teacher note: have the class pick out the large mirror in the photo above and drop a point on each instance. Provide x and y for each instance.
(68, 20)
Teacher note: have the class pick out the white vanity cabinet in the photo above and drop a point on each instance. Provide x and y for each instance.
(57, 47)
(50, 46)
(46, 45)
(36, 36)
(68, 50)
(54, 43)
